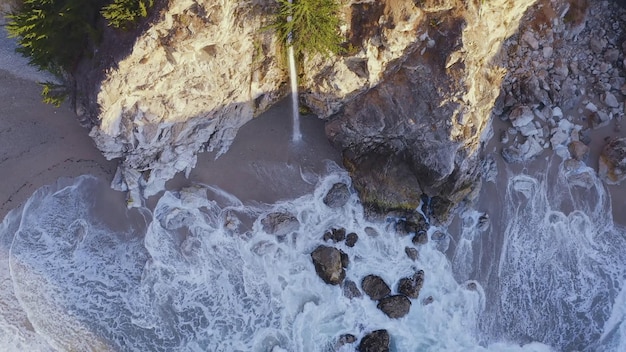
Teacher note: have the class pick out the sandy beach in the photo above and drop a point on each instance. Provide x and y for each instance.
(39, 143)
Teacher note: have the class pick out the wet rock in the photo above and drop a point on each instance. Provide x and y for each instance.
(337, 196)
(428, 300)
(375, 287)
(395, 306)
(345, 339)
(483, 222)
(350, 289)
(472, 286)
(280, 224)
(411, 223)
(411, 286)
(329, 264)
(351, 239)
(613, 161)
(336, 235)
(578, 150)
(411, 253)
(345, 260)
(375, 341)
(421, 237)
(522, 152)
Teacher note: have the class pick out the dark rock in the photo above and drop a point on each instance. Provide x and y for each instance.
(421, 237)
(411, 252)
(280, 224)
(483, 222)
(411, 286)
(336, 235)
(578, 150)
(428, 300)
(375, 341)
(350, 289)
(351, 239)
(613, 161)
(395, 306)
(337, 196)
(344, 340)
(410, 222)
(345, 261)
(396, 138)
(375, 287)
(329, 264)
(472, 286)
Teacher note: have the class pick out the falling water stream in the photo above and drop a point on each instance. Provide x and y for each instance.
(297, 136)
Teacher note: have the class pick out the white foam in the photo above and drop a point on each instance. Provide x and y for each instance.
(202, 275)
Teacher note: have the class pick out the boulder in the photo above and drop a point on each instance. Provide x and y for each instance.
(280, 224)
(521, 115)
(337, 196)
(350, 289)
(411, 286)
(612, 166)
(395, 306)
(421, 237)
(351, 239)
(344, 339)
(336, 235)
(375, 341)
(610, 100)
(375, 287)
(329, 264)
(578, 150)
(411, 253)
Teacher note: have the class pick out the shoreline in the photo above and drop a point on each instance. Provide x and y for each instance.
(40, 143)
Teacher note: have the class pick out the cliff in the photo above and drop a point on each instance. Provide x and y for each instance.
(408, 103)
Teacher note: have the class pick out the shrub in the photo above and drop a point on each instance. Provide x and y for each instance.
(53, 93)
(313, 28)
(125, 13)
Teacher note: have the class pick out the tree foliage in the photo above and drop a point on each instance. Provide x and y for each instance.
(310, 26)
(124, 13)
(53, 34)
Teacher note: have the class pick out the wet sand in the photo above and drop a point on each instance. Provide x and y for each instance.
(40, 143)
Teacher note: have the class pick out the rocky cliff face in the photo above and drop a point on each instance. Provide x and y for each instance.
(418, 131)
(408, 103)
(202, 69)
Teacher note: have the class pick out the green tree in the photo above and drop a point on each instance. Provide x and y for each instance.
(310, 26)
(54, 34)
(125, 13)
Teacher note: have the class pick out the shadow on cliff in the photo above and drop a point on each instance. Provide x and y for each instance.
(395, 138)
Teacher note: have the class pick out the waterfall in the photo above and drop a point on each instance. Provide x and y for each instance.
(297, 136)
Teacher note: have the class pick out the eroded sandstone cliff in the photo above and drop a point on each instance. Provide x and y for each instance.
(408, 103)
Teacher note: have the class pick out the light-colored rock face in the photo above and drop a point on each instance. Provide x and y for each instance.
(206, 67)
(192, 79)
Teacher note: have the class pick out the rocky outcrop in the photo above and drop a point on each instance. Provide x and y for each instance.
(337, 196)
(329, 264)
(573, 85)
(280, 224)
(375, 341)
(613, 161)
(375, 287)
(418, 130)
(411, 286)
(203, 68)
(395, 306)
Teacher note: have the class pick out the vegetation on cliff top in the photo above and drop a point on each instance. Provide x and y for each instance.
(310, 26)
(55, 34)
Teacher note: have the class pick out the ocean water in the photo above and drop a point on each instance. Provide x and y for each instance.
(198, 273)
